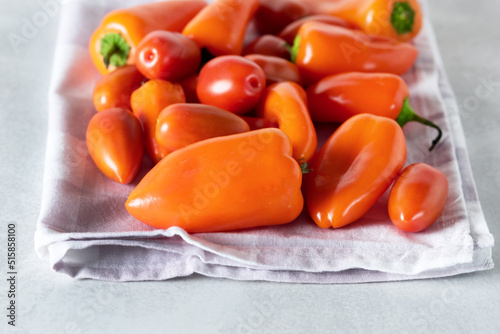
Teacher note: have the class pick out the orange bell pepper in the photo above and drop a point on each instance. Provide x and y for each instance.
(321, 50)
(418, 197)
(114, 89)
(222, 184)
(114, 42)
(338, 97)
(182, 124)
(220, 27)
(399, 19)
(147, 103)
(353, 169)
(285, 103)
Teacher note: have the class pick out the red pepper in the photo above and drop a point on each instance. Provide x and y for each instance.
(353, 169)
(220, 27)
(321, 50)
(276, 69)
(273, 15)
(338, 97)
(268, 45)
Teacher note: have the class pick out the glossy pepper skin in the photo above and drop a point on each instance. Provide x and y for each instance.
(338, 97)
(114, 89)
(290, 31)
(147, 103)
(273, 15)
(220, 27)
(417, 197)
(321, 50)
(183, 124)
(276, 69)
(268, 45)
(115, 143)
(222, 184)
(285, 103)
(123, 29)
(353, 169)
(398, 19)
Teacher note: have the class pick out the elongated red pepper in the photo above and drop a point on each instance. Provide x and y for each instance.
(353, 169)
(285, 103)
(321, 50)
(273, 15)
(220, 27)
(113, 43)
(338, 97)
(276, 69)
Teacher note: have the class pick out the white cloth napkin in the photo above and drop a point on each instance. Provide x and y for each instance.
(84, 230)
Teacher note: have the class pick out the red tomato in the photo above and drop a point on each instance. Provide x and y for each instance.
(115, 143)
(182, 124)
(167, 55)
(418, 197)
(231, 83)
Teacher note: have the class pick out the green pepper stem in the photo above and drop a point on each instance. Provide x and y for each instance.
(408, 115)
(304, 168)
(402, 17)
(114, 50)
(294, 50)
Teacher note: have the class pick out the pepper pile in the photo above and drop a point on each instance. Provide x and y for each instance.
(231, 128)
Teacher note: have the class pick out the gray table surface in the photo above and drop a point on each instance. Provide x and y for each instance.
(468, 33)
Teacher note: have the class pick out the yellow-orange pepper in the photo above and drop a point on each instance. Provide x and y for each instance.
(222, 184)
(147, 103)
